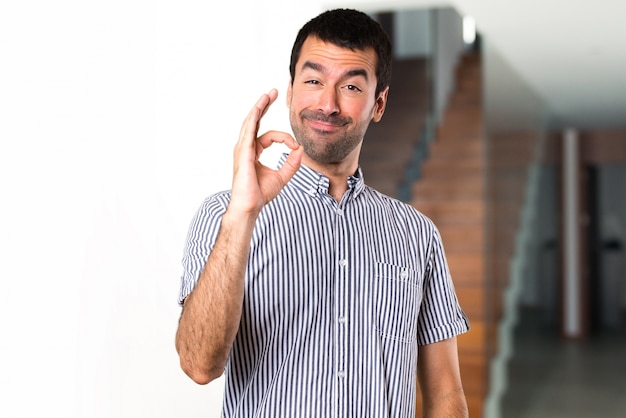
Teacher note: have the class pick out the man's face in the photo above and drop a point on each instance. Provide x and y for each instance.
(332, 100)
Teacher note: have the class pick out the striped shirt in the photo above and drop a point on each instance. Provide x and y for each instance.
(338, 297)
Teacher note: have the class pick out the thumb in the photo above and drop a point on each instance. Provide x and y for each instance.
(291, 165)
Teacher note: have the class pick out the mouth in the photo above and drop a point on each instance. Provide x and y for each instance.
(325, 124)
(323, 127)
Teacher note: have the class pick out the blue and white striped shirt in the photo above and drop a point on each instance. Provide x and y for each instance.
(338, 296)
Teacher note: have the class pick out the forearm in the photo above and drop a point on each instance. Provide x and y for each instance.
(440, 381)
(212, 312)
(450, 405)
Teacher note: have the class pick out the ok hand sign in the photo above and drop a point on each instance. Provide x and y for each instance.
(254, 184)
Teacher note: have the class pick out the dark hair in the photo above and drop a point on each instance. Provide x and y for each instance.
(350, 29)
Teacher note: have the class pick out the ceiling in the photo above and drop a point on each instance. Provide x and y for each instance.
(572, 53)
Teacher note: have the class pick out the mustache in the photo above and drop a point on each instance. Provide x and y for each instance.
(336, 120)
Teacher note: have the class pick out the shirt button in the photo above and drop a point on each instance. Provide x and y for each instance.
(404, 274)
(340, 212)
(343, 262)
(341, 375)
(312, 190)
(342, 319)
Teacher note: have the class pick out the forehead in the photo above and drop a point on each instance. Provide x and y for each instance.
(336, 58)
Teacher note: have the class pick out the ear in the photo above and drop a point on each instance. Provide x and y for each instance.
(289, 93)
(381, 104)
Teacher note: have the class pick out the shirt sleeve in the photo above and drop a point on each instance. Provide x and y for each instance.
(441, 316)
(201, 238)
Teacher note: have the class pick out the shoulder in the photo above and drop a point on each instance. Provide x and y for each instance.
(211, 208)
(217, 202)
(400, 209)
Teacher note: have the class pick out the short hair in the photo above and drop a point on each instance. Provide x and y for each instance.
(352, 29)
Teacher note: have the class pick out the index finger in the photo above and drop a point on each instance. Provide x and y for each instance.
(250, 127)
(272, 95)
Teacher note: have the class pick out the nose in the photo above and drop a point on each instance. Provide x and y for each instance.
(328, 101)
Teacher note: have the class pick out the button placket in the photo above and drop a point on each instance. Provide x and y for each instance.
(341, 306)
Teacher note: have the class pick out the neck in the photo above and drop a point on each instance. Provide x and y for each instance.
(337, 174)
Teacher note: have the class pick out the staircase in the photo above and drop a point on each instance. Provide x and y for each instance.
(451, 191)
(389, 145)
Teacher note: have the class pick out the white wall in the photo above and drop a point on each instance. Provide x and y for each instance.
(116, 119)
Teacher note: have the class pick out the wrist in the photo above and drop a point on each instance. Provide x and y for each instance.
(238, 217)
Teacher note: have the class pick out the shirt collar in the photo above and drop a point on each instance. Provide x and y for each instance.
(311, 182)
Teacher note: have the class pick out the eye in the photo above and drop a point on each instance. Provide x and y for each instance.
(313, 82)
(353, 88)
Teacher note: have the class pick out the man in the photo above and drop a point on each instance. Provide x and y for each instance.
(316, 294)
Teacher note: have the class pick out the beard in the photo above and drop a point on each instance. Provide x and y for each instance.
(322, 146)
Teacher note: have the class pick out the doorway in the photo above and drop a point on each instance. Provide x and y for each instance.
(607, 256)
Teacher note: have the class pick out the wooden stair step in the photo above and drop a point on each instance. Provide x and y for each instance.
(452, 213)
(473, 365)
(475, 340)
(387, 186)
(463, 146)
(442, 189)
(462, 167)
(462, 238)
(471, 298)
(398, 149)
(451, 135)
(466, 267)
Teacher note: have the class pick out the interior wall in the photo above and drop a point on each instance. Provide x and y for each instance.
(448, 45)
(612, 214)
(118, 118)
(604, 152)
(540, 288)
(413, 33)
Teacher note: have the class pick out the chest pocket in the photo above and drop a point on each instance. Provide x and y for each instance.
(397, 294)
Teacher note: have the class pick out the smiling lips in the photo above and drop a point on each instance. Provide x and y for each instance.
(322, 127)
(324, 123)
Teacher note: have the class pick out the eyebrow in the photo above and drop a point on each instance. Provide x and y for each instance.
(320, 68)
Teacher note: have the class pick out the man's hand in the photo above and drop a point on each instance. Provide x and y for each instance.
(254, 184)
(212, 312)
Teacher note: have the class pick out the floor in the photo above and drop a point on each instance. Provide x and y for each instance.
(555, 378)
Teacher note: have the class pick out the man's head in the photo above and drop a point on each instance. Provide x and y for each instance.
(349, 29)
(339, 84)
